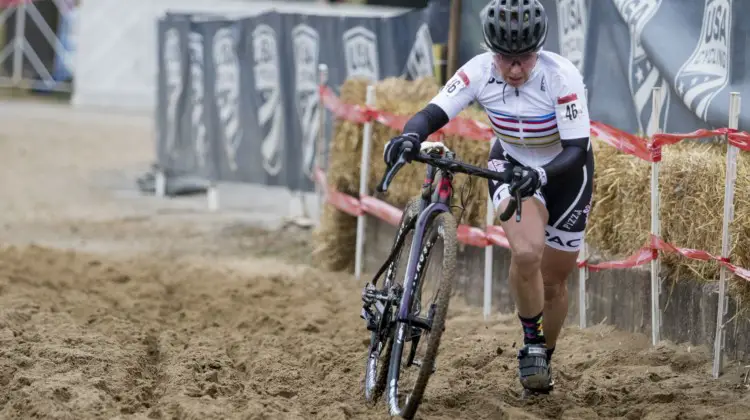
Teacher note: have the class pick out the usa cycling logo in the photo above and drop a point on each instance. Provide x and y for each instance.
(268, 90)
(361, 53)
(227, 88)
(420, 62)
(571, 18)
(174, 88)
(197, 90)
(643, 75)
(306, 43)
(706, 72)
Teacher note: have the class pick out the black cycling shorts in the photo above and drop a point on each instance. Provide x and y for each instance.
(567, 199)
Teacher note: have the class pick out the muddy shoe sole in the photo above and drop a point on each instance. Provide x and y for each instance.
(539, 381)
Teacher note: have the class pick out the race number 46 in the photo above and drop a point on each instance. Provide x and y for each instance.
(571, 111)
(458, 82)
(569, 108)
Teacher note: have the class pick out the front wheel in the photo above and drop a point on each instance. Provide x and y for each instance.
(427, 322)
(381, 338)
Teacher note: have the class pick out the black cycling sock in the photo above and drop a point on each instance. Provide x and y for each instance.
(549, 354)
(532, 329)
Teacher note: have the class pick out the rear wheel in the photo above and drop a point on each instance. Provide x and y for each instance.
(408, 376)
(381, 336)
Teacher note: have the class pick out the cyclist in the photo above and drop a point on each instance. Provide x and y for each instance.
(536, 104)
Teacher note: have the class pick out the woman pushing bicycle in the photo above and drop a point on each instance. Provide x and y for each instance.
(536, 103)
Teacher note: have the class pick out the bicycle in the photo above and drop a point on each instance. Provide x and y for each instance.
(389, 311)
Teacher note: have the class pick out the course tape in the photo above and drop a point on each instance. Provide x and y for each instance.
(494, 235)
(741, 140)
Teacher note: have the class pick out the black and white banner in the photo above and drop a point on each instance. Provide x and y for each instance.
(238, 99)
(694, 50)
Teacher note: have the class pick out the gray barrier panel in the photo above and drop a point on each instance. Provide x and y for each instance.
(238, 98)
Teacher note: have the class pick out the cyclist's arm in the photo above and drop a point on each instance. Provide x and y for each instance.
(571, 158)
(574, 126)
(427, 121)
(456, 95)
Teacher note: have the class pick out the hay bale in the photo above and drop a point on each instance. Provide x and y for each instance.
(343, 170)
(692, 198)
(334, 241)
(617, 225)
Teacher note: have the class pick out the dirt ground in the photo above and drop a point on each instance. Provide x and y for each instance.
(115, 306)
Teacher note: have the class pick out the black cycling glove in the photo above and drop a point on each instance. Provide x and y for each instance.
(397, 145)
(528, 183)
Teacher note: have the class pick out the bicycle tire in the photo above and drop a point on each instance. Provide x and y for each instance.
(443, 226)
(376, 371)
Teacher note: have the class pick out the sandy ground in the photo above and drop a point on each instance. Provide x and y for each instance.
(119, 306)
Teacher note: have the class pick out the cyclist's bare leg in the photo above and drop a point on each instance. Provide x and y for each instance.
(526, 239)
(556, 267)
(527, 243)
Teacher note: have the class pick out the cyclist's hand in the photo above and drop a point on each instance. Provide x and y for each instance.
(398, 145)
(526, 183)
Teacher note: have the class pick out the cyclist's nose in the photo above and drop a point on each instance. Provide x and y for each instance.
(516, 70)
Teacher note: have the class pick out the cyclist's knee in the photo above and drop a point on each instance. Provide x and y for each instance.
(527, 257)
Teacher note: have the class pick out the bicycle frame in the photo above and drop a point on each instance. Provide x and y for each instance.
(435, 198)
(433, 203)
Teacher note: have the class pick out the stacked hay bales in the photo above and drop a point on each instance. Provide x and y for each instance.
(691, 181)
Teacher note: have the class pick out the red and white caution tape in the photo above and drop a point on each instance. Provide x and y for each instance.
(740, 140)
(622, 141)
(663, 139)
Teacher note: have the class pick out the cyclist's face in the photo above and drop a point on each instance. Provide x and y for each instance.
(516, 69)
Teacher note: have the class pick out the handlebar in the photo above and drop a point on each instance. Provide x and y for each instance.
(456, 166)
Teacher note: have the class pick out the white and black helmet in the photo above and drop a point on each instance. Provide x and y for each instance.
(514, 27)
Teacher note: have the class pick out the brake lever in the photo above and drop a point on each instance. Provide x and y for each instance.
(519, 201)
(514, 205)
(391, 172)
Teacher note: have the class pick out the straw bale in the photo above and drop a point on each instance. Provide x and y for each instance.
(691, 182)
(619, 220)
(334, 240)
(343, 161)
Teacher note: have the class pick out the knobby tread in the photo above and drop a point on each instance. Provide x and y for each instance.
(444, 226)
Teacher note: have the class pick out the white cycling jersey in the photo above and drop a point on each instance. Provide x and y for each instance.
(530, 121)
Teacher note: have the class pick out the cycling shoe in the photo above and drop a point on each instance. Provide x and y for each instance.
(533, 370)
